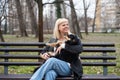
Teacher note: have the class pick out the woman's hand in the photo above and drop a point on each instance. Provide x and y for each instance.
(58, 49)
(45, 56)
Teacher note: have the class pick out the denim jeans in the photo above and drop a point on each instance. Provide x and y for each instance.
(51, 69)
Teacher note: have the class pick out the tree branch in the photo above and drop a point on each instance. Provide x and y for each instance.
(53, 2)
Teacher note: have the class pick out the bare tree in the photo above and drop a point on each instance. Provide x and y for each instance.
(21, 19)
(85, 12)
(118, 3)
(32, 17)
(58, 7)
(76, 27)
(1, 36)
(118, 13)
(2, 16)
(64, 10)
(93, 25)
(11, 19)
(40, 19)
(47, 26)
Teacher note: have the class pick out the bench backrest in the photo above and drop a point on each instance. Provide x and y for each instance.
(99, 51)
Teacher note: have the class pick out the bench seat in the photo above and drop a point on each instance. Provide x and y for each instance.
(85, 77)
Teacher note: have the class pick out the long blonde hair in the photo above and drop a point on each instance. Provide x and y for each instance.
(56, 33)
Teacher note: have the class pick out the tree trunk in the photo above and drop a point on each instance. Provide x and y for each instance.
(64, 10)
(11, 19)
(93, 25)
(47, 27)
(75, 21)
(21, 19)
(58, 9)
(72, 22)
(32, 18)
(1, 36)
(85, 12)
(5, 27)
(40, 23)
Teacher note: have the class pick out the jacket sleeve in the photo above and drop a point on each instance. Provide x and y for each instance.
(48, 48)
(74, 48)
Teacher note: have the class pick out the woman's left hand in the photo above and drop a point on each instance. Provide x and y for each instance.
(58, 49)
(62, 45)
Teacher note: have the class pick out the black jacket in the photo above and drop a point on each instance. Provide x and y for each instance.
(69, 54)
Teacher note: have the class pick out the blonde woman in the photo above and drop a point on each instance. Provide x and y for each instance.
(66, 62)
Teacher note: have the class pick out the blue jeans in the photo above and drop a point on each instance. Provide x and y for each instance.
(51, 69)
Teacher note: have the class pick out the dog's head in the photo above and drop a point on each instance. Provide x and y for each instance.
(72, 39)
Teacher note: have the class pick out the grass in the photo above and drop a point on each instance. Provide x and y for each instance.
(92, 37)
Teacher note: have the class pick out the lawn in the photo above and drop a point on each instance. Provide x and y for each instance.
(92, 37)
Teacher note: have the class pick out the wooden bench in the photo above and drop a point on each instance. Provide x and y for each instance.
(101, 54)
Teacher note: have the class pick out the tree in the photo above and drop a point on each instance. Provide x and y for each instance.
(118, 14)
(58, 8)
(64, 10)
(85, 12)
(40, 19)
(12, 17)
(1, 36)
(118, 4)
(93, 25)
(32, 17)
(76, 26)
(21, 19)
(2, 16)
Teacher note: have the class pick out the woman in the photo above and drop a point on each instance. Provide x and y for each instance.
(62, 64)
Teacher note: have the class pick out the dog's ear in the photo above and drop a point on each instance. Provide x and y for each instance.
(71, 36)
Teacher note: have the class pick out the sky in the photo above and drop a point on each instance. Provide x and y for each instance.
(79, 6)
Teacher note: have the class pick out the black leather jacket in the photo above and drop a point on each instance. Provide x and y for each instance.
(70, 54)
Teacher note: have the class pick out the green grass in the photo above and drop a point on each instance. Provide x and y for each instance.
(96, 37)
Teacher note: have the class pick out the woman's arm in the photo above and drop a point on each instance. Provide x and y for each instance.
(44, 54)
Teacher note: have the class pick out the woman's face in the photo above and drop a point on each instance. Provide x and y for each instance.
(64, 27)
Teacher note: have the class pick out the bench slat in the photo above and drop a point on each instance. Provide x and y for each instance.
(21, 49)
(21, 63)
(22, 44)
(98, 57)
(99, 49)
(43, 44)
(98, 64)
(38, 57)
(98, 44)
(40, 49)
(39, 63)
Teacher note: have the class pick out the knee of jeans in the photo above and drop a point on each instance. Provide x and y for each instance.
(51, 72)
(51, 60)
